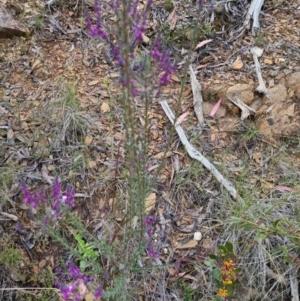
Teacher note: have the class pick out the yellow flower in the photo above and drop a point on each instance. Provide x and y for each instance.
(227, 265)
(227, 281)
(222, 292)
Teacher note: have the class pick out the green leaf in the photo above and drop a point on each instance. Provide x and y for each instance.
(222, 249)
(210, 263)
(216, 273)
(229, 247)
(81, 243)
(213, 256)
(275, 223)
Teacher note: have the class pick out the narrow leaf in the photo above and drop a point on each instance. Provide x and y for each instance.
(182, 117)
(216, 107)
(203, 43)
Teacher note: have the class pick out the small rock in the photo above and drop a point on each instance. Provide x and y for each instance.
(271, 83)
(277, 93)
(197, 236)
(9, 27)
(237, 64)
(284, 120)
(293, 80)
(242, 92)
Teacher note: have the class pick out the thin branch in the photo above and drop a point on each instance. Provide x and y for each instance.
(198, 156)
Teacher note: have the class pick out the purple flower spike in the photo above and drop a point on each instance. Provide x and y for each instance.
(69, 197)
(165, 66)
(75, 272)
(151, 252)
(149, 220)
(138, 32)
(42, 195)
(27, 194)
(97, 30)
(56, 193)
(98, 292)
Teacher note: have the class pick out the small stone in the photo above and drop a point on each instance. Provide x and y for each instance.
(237, 64)
(197, 236)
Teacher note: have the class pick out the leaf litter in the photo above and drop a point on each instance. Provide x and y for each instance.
(30, 86)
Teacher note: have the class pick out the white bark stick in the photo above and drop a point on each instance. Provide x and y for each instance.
(253, 12)
(294, 283)
(196, 88)
(198, 156)
(246, 110)
(257, 52)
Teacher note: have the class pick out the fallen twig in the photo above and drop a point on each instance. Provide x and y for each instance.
(253, 12)
(246, 110)
(294, 282)
(257, 52)
(198, 156)
(196, 88)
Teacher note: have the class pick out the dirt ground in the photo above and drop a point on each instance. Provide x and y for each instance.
(59, 116)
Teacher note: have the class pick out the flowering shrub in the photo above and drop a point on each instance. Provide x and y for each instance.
(149, 224)
(72, 285)
(123, 43)
(225, 271)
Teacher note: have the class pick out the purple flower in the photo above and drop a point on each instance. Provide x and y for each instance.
(98, 292)
(133, 9)
(97, 30)
(75, 272)
(68, 290)
(151, 252)
(27, 194)
(199, 2)
(69, 197)
(138, 31)
(163, 60)
(56, 192)
(32, 199)
(18, 227)
(149, 220)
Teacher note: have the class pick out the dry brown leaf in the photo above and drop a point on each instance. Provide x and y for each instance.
(207, 243)
(94, 82)
(172, 19)
(150, 203)
(35, 64)
(172, 272)
(10, 216)
(89, 297)
(268, 61)
(190, 244)
(257, 156)
(82, 289)
(162, 155)
(145, 38)
(175, 78)
(267, 185)
(92, 164)
(114, 75)
(105, 107)
(203, 43)
(88, 140)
